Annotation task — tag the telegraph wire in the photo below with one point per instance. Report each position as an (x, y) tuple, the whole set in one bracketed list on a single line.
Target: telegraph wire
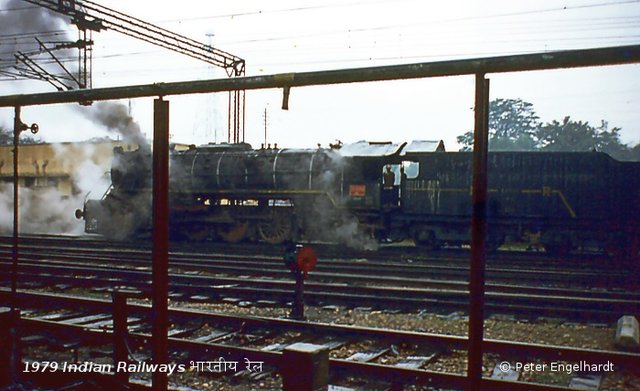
[(293, 9)]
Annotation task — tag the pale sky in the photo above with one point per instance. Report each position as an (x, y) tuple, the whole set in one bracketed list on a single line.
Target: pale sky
[(294, 36)]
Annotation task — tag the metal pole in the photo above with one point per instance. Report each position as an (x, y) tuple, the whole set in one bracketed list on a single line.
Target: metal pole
[(120, 330), (265, 127), (17, 128), (244, 108), (297, 310), (229, 119), (478, 233), (160, 233), (12, 326)]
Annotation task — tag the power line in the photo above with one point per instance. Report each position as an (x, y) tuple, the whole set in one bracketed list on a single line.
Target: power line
[(33, 33), (422, 23), (282, 10)]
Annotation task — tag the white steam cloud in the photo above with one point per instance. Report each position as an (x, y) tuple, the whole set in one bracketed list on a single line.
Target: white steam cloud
[(48, 210)]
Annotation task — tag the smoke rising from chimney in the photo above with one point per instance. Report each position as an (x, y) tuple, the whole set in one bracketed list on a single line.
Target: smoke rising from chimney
[(115, 117)]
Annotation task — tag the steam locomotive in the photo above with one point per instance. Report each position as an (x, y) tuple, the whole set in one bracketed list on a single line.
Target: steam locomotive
[(559, 201)]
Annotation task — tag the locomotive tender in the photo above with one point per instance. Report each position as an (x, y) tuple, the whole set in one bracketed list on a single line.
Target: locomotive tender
[(231, 192)]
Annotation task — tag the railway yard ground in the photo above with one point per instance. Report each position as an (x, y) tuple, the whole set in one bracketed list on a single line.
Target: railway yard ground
[(390, 320)]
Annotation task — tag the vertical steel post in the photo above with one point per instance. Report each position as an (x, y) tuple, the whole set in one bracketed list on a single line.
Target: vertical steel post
[(160, 235), (244, 117), (297, 308), (236, 123), (7, 348), (17, 128), (14, 316), (120, 331), (229, 120), (478, 233)]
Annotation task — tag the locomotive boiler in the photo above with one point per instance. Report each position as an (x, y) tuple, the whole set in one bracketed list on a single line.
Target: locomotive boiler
[(232, 192)]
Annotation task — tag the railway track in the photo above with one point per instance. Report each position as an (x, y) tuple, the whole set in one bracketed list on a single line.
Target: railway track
[(386, 252), (391, 357), (403, 262), (390, 285)]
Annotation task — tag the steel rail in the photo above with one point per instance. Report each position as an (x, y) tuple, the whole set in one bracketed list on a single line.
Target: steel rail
[(573, 307), (413, 273), (77, 273), (370, 277), (408, 255), (507, 348), (379, 372), (124, 274), (398, 275)]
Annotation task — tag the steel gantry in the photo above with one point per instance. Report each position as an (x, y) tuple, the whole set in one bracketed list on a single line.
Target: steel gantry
[(89, 16)]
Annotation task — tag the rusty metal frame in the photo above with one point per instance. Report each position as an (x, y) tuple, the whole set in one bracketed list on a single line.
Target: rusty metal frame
[(160, 236), (478, 232), (479, 67), (503, 348)]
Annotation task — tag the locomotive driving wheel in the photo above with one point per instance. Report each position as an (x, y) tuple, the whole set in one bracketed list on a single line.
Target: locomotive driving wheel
[(426, 238), (278, 228)]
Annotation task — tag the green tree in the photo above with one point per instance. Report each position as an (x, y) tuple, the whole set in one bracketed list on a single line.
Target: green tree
[(6, 137), (570, 135), (567, 135), (512, 127)]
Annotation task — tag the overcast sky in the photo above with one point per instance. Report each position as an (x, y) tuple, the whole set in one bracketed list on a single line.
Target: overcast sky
[(294, 36)]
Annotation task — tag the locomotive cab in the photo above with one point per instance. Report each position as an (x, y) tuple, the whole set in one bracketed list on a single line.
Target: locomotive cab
[(366, 185)]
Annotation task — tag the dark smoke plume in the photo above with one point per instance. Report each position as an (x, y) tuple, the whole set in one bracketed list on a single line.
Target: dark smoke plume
[(115, 117)]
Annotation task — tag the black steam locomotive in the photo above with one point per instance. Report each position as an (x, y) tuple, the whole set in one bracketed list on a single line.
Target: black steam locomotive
[(361, 193)]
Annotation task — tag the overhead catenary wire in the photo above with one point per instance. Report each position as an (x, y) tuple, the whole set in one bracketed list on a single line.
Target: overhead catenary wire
[(591, 29), (309, 53), (354, 30)]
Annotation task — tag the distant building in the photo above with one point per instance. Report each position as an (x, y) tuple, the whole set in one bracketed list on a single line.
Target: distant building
[(55, 165)]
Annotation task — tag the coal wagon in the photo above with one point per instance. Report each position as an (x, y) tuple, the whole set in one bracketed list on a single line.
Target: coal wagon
[(559, 200)]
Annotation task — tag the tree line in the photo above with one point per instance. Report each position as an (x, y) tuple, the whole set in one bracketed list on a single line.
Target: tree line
[(514, 126)]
